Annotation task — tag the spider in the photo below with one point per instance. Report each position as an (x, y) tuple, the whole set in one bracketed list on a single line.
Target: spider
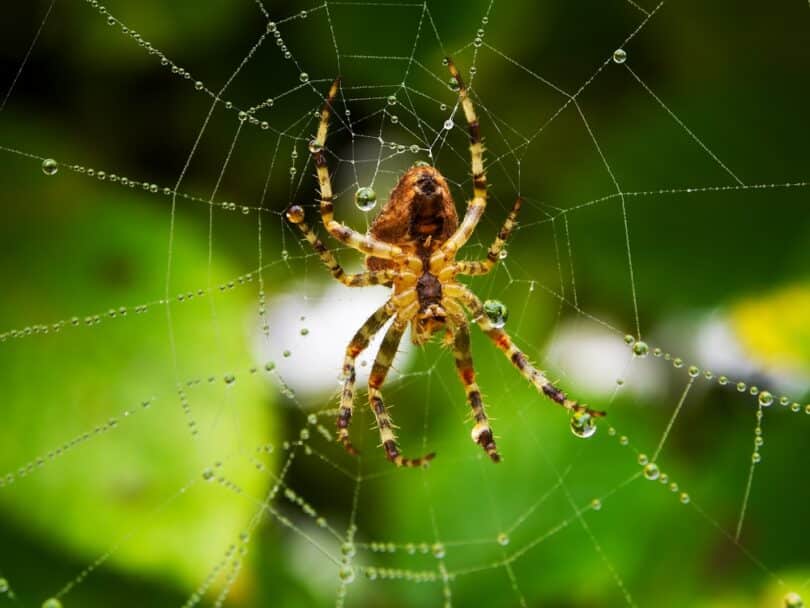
[(411, 247)]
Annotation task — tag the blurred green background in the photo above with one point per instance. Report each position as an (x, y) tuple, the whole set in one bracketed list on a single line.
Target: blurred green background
[(149, 439)]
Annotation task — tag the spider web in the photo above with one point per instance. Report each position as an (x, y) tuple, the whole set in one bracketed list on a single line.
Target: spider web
[(240, 336)]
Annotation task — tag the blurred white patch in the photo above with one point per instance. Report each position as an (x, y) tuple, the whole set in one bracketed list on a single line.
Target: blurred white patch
[(598, 361), (309, 334), (718, 348)]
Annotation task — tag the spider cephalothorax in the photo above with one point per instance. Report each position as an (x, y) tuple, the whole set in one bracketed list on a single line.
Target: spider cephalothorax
[(412, 246)]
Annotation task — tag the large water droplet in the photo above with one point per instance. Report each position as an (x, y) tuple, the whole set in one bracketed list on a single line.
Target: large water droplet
[(448, 124), (50, 166), (438, 550), (582, 424), (365, 198), (765, 399), (496, 312), (503, 539), (640, 349), (346, 574), (793, 600), (619, 56), (3, 585), (651, 471), (52, 602)]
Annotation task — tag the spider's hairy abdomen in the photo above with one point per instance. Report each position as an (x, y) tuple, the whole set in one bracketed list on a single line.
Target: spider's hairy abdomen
[(419, 216)]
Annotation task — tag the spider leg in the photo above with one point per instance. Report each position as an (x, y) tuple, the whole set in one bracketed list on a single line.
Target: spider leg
[(479, 267), (342, 233), (295, 214), (482, 432), (357, 345), (513, 353), (476, 207), (382, 364)]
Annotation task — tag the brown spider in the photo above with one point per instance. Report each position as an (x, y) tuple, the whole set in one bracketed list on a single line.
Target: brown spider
[(412, 246)]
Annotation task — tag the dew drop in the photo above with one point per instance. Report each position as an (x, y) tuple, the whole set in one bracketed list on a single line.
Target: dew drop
[(596, 504), (756, 458), (347, 549), (503, 254), (365, 198), (640, 349), (52, 603), (652, 472), (452, 84), (497, 312), (693, 371), (304, 331), (629, 339), (684, 498), (438, 550), (793, 600), (199, 85), (448, 124), (503, 539), (642, 459), (677, 362), (619, 56), (50, 166), (315, 146), (346, 574), (582, 424), (3, 585), (208, 474), (271, 26), (414, 149), (394, 119), (286, 353), (765, 399), (392, 100), (722, 380), (303, 77), (741, 387)]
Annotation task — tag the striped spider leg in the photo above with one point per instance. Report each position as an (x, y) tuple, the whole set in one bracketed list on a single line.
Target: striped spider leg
[(341, 232), (482, 432), (382, 363), (502, 340)]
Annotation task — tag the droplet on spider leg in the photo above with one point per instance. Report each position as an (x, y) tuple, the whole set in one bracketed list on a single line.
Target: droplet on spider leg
[(582, 424), (365, 198), (496, 312)]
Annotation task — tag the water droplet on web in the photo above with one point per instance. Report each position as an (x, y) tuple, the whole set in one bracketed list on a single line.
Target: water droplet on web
[(365, 198), (52, 603), (640, 349), (304, 77), (756, 458), (392, 100), (765, 399), (793, 600), (315, 147), (303, 14), (50, 166), (438, 550), (693, 371), (677, 362), (741, 387), (619, 56), (242, 116), (3, 585), (496, 312), (452, 84), (629, 339), (503, 539), (286, 353), (229, 378), (208, 474), (684, 498), (304, 331), (394, 119), (348, 549), (414, 149), (199, 85), (651, 471), (346, 574), (443, 107), (271, 26), (582, 424), (596, 504), (503, 254)]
